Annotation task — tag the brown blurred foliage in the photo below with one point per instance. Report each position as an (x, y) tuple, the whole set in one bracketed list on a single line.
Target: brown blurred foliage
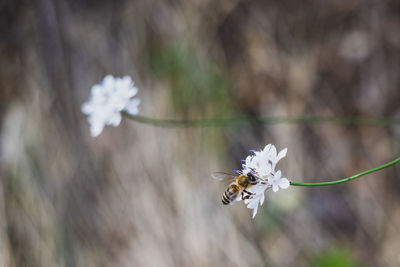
[(141, 196)]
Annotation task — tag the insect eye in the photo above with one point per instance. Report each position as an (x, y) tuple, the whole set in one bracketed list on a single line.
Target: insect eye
[(252, 178)]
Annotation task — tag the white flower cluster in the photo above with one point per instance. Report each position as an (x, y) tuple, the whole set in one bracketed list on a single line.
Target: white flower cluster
[(262, 165), (107, 100)]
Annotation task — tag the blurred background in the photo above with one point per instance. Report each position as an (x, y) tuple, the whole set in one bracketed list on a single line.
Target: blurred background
[(139, 195)]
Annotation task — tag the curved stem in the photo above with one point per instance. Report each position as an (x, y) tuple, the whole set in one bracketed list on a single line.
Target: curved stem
[(349, 178), (377, 121), (382, 121)]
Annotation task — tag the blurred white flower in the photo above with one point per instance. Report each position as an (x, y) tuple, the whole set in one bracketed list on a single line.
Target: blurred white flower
[(107, 100), (262, 165)]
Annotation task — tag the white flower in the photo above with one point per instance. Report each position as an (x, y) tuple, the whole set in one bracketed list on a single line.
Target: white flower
[(262, 165), (107, 100), (277, 182)]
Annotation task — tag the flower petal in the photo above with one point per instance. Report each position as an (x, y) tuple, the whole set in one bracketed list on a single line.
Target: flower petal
[(267, 148), (275, 188), (115, 119), (87, 108), (108, 82), (284, 183), (97, 90), (255, 212), (262, 199), (96, 129), (281, 154), (272, 151), (133, 106)]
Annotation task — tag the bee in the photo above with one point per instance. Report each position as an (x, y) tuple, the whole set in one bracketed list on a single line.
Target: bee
[(238, 187)]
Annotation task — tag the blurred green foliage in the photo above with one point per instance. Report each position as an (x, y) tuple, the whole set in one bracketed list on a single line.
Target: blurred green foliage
[(197, 85), (198, 88), (334, 257)]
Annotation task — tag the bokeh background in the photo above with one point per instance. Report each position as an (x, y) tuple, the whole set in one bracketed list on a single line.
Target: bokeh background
[(139, 195)]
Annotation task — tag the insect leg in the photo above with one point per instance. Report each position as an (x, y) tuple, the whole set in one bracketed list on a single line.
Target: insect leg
[(247, 197), (247, 192)]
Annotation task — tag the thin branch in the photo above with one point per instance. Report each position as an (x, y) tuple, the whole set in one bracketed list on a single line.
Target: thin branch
[(349, 178), (239, 121)]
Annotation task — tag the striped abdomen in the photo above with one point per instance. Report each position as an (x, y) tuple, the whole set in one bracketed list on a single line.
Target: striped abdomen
[(230, 194)]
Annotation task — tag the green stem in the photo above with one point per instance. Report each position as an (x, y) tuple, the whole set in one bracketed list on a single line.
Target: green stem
[(349, 178), (377, 121)]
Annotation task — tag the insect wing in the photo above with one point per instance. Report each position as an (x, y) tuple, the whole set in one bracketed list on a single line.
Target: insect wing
[(222, 176)]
